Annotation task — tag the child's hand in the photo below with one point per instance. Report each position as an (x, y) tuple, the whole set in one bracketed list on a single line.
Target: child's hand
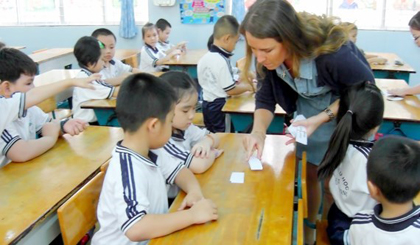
[(174, 53), (203, 211), (51, 130), (398, 91), (75, 126), (86, 82), (202, 148), (190, 199), (217, 152)]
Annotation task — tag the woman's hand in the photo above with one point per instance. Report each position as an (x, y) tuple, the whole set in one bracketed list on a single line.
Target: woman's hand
[(398, 92), (311, 124), (252, 142)]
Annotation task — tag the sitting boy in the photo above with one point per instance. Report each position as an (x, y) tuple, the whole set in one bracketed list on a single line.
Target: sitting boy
[(164, 29), (133, 203), (19, 141), (216, 76), (393, 172), (88, 52)]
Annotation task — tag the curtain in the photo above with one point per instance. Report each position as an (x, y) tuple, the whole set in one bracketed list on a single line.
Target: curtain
[(238, 9), (128, 28)]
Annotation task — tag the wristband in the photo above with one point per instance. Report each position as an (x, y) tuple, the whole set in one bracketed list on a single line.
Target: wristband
[(330, 114), (62, 124)]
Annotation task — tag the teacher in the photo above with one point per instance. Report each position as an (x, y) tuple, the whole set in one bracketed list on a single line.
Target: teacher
[(303, 63)]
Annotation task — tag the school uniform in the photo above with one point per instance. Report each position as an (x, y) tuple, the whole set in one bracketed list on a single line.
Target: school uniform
[(164, 46), (134, 186), (369, 228), (24, 128), (178, 149), (12, 108), (148, 58), (348, 186), (102, 90), (215, 77), (115, 69)]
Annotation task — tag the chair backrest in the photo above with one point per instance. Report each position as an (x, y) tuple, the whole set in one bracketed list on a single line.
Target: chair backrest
[(300, 222), (104, 167), (304, 185), (240, 64), (78, 214), (48, 105)]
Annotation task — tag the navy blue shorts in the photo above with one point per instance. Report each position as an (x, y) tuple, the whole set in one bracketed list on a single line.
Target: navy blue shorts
[(338, 223), (214, 118)]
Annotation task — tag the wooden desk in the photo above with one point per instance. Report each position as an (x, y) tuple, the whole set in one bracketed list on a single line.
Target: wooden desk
[(128, 56), (31, 192), (400, 117), (260, 211), (390, 70), (417, 199), (188, 61), (240, 111), (55, 58)]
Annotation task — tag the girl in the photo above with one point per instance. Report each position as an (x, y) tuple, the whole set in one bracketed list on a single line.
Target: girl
[(359, 115)]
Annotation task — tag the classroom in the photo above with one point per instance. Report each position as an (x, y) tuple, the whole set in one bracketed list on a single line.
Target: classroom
[(210, 122)]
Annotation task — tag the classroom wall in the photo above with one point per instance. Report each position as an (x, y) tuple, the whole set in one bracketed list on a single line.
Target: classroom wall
[(34, 38)]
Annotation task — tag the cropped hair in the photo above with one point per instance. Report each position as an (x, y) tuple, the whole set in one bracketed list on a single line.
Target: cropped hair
[(394, 167), (349, 26), (162, 24), (361, 109), (2, 45), (226, 25), (303, 35), (181, 82), (103, 32), (146, 27), (87, 51), (143, 96), (414, 22), (14, 63)]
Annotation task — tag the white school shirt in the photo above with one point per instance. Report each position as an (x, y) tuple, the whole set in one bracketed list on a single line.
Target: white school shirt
[(348, 184), (134, 186), (215, 74), (11, 109), (25, 128), (116, 68), (368, 228), (148, 58), (102, 90), (164, 46)]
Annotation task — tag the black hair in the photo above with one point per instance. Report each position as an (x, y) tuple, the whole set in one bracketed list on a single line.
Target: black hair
[(103, 32), (87, 51), (162, 24), (181, 82), (394, 167), (227, 24), (143, 96), (147, 27), (361, 109), (13, 63), (210, 42), (414, 22), (2, 45)]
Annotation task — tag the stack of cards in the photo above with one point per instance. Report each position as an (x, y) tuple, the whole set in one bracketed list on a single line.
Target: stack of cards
[(255, 163), (299, 132)]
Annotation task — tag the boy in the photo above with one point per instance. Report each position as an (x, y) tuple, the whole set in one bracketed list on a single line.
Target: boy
[(393, 172), (152, 58), (215, 73), (133, 204), (89, 56), (114, 70), (18, 140), (14, 107), (164, 30)]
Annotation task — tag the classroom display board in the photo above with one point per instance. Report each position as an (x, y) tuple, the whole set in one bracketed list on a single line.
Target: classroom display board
[(201, 11)]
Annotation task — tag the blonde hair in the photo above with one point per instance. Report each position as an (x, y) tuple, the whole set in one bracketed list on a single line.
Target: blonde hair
[(304, 35)]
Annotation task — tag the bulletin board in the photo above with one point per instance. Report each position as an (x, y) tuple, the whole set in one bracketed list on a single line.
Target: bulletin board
[(201, 11)]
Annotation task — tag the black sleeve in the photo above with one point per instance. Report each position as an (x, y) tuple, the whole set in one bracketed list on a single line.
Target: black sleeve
[(264, 98)]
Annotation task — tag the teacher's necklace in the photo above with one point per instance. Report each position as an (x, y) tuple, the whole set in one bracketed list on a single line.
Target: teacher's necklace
[(283, 75)]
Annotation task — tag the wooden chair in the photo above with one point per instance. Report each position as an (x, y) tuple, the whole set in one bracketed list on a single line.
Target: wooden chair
[(50, 106), (198, 119), (300, 223), (321, 233), (303, 184), (240, 63), (78, 214), (104, 167)]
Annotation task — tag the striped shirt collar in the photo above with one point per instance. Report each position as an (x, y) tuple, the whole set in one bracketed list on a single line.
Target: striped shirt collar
[(397, 223), (112, 62), (164, 43), (364, 143), (178, 135), (151, 162), (86, 71), (217, 49), (155, 50)]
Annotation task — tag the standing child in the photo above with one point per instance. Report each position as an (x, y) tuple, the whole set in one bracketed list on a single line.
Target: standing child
[(164, 30), (393, 172), (359, 116), (89, 56), (152, 58), (133, 206), (114, 70), (215, 74)]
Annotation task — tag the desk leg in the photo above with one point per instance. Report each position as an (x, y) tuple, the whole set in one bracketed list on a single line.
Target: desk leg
[(409, 129), (104, 117), (227, 123), (44, 233)]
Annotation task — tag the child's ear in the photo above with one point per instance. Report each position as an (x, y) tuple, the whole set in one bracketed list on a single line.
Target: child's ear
[(374, 191), (5, 88), (154, 125)]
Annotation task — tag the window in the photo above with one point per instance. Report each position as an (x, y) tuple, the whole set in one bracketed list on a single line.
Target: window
[(67, 12), (366, 14)]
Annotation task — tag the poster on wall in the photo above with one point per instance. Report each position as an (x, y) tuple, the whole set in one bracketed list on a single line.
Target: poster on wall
[(201, 11)]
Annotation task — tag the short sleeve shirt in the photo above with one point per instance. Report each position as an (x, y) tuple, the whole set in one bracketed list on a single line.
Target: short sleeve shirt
[(11, 109), (148, 58), (116, 68)]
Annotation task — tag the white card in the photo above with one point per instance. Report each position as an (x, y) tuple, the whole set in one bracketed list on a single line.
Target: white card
[(391, 97), (237, 177), (299, 132), (255, 163)]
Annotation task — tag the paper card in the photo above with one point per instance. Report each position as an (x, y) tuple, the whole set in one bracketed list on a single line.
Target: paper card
[(391, 97), (255, 163), (299, 132), (237, 177)]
